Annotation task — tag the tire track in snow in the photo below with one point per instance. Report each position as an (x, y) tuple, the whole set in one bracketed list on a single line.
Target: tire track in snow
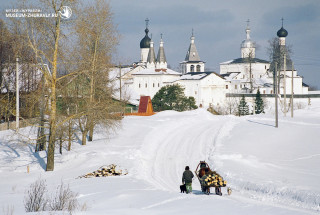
[(168, 148), (223, 133)]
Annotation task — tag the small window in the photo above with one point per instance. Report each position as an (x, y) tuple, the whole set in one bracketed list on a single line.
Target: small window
[(195, 92), (226, 86), (192, 68), (158, 84), (271, 92), (146, 85), (235, 86), (153, 84), (139, 85), (198, 68), (264, 92)]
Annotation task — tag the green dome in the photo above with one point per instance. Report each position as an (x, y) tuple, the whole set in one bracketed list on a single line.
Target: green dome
[(282, 32), (145, 42)]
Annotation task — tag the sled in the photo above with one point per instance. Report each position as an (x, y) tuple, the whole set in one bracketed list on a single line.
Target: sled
[(212, 179)]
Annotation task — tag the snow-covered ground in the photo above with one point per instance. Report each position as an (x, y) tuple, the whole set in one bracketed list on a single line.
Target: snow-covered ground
[(270, 170)]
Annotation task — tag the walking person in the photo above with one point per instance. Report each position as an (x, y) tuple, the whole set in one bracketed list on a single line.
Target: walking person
[(187, 179)]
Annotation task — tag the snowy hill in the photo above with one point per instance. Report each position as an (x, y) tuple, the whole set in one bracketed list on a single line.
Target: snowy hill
[(271, 170)]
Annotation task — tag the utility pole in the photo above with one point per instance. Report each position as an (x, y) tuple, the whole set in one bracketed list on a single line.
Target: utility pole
[(292, 91), (276, 94), (250, 71), (120, 81), (17, 94), (284, 83)]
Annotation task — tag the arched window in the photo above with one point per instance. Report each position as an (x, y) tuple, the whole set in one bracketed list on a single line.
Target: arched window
[(198, 68), (192, 68)]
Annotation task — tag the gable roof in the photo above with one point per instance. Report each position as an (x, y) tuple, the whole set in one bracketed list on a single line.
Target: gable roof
[(245, 60), (197, 75)]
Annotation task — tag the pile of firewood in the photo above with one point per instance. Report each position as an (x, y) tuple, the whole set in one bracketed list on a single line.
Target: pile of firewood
[(105, 171), (214, 179)]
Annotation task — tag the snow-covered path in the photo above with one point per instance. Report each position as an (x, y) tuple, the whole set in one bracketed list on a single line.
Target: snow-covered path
[(155, 151), (171, 146)]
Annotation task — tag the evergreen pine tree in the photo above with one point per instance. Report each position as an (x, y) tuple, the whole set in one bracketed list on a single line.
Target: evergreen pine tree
[(259, 103), (243, 107), (171, 97)]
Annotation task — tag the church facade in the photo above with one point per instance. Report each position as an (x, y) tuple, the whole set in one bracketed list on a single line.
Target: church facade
[(244, 75)]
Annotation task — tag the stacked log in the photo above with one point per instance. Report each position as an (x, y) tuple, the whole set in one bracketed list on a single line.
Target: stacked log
[(214, 179), (105, 171)]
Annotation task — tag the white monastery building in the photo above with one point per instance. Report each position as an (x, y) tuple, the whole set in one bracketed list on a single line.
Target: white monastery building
[(244, 75)]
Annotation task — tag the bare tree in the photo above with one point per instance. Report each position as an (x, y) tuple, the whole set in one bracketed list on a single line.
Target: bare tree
[(44, 37), (276, 56), (96, 40), (12, 45)]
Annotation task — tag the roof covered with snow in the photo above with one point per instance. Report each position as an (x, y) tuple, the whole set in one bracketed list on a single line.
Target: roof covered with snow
[(245, 60), (197, 75), (156, 72)]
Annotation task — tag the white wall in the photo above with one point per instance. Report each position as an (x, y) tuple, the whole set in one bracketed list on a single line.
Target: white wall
[(149, 85), (244, 68), (206, 91)]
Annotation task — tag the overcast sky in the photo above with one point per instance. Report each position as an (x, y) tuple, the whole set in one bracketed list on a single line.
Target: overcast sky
[(219, 29)]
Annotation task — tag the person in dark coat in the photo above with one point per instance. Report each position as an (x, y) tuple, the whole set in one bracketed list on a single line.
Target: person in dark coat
[(187, 179)]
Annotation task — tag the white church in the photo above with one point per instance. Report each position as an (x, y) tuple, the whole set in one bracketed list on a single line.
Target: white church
[(243, 75)]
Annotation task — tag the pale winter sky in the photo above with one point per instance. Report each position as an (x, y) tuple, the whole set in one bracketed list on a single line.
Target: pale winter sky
[(219, 29)]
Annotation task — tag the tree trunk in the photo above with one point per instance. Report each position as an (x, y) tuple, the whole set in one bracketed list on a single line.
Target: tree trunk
[(41, 140), (91, 132), (69, 135), (92, 83), (53, 124), (60, 146), (84, 137)]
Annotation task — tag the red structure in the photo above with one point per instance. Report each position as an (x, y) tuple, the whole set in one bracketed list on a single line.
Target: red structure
[(145, 105)]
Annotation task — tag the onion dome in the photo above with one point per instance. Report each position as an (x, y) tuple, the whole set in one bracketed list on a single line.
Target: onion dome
[(145, 42), (247, 43), (282, 32)]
